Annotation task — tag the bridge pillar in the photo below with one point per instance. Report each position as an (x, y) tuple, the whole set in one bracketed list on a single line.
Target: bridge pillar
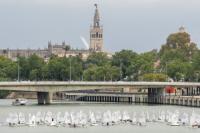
[(44, 98), (155, 95), (40, 97), (48, 98)]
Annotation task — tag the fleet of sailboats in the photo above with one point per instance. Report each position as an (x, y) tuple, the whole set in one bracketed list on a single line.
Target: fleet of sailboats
[(107, 118)]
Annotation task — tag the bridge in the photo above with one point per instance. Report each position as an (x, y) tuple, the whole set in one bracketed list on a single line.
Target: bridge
[(45, 89)]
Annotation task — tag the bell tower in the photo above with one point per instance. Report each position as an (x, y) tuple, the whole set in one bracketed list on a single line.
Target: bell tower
[(96, 33)]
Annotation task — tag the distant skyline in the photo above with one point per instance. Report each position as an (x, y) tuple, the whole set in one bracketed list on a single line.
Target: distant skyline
[(139, 25)]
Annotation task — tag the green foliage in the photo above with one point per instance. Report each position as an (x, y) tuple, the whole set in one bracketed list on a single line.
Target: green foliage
[(196, 61), (178, 70), (195, 71), (143, 63), (4, 93), (8, 69), (173, 54), (124, 60), (178, 45), (154, 77), (24, 68), (179, 39), (102, 73), (99, 59), (178, 59), (59, 68), (67, 47)]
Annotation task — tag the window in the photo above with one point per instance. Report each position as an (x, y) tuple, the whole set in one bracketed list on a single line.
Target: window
[(97, 35), (93, 35), (100, 35)]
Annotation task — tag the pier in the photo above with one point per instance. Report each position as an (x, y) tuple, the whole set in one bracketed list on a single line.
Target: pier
[(193, 101)]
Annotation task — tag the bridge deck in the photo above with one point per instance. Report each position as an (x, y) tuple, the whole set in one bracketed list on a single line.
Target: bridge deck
[(55, 86)]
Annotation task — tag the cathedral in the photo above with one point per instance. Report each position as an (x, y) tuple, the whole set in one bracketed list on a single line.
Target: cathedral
[(96, 45), (96, 33)]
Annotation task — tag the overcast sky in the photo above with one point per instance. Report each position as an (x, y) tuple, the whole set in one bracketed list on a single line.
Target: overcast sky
[(140, 25)]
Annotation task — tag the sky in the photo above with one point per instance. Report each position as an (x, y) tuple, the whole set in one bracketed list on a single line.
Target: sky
[(139, 25)]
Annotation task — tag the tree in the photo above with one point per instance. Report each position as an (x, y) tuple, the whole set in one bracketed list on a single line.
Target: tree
[(97, 58), (76, 68), (195, 71), (178, 70), (178, 40), (143, 63), (154, 77), (59, 68), (45, 72), (35, 62), (196, 61), (8, 72), (24, 68), (90, 73), (123, 60), (101, 73), (180, 45), (35, 67), (8, 69), (34, 75), (67, 48)]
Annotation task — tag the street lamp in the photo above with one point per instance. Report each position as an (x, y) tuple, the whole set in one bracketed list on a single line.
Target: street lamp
[(166, 71), (197, 76), (70, 69), (120, 69), (18, 70), (18, 67)]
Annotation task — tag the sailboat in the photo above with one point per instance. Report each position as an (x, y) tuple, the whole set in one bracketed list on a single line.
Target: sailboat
[(67, 120), (31, 120), (106, 120), (92, 119), (116, 117), (12, 120), (82, 119), (39, 118), (48, 118), (134, 120), (74, 120), (174, 120), (184, 119), (21, 119), (193, 122), (98, 117), (142, 120), (59, 119), (126, 117), (161, 116)]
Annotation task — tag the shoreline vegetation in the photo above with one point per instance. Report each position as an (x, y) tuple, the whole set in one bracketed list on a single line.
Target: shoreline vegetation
[(177, 60)]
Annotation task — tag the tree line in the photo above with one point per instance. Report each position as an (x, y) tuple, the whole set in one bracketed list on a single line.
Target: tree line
[(177, 60)]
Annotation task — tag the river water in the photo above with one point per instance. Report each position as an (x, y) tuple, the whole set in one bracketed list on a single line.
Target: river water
[(32, 107)]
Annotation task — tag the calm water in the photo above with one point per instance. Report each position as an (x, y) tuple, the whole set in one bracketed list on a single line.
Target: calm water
[(5, 108)]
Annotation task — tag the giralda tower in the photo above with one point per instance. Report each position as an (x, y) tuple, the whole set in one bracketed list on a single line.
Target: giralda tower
[(96, 33)]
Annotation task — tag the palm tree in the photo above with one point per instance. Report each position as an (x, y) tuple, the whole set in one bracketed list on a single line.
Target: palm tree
[(67, 48)]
